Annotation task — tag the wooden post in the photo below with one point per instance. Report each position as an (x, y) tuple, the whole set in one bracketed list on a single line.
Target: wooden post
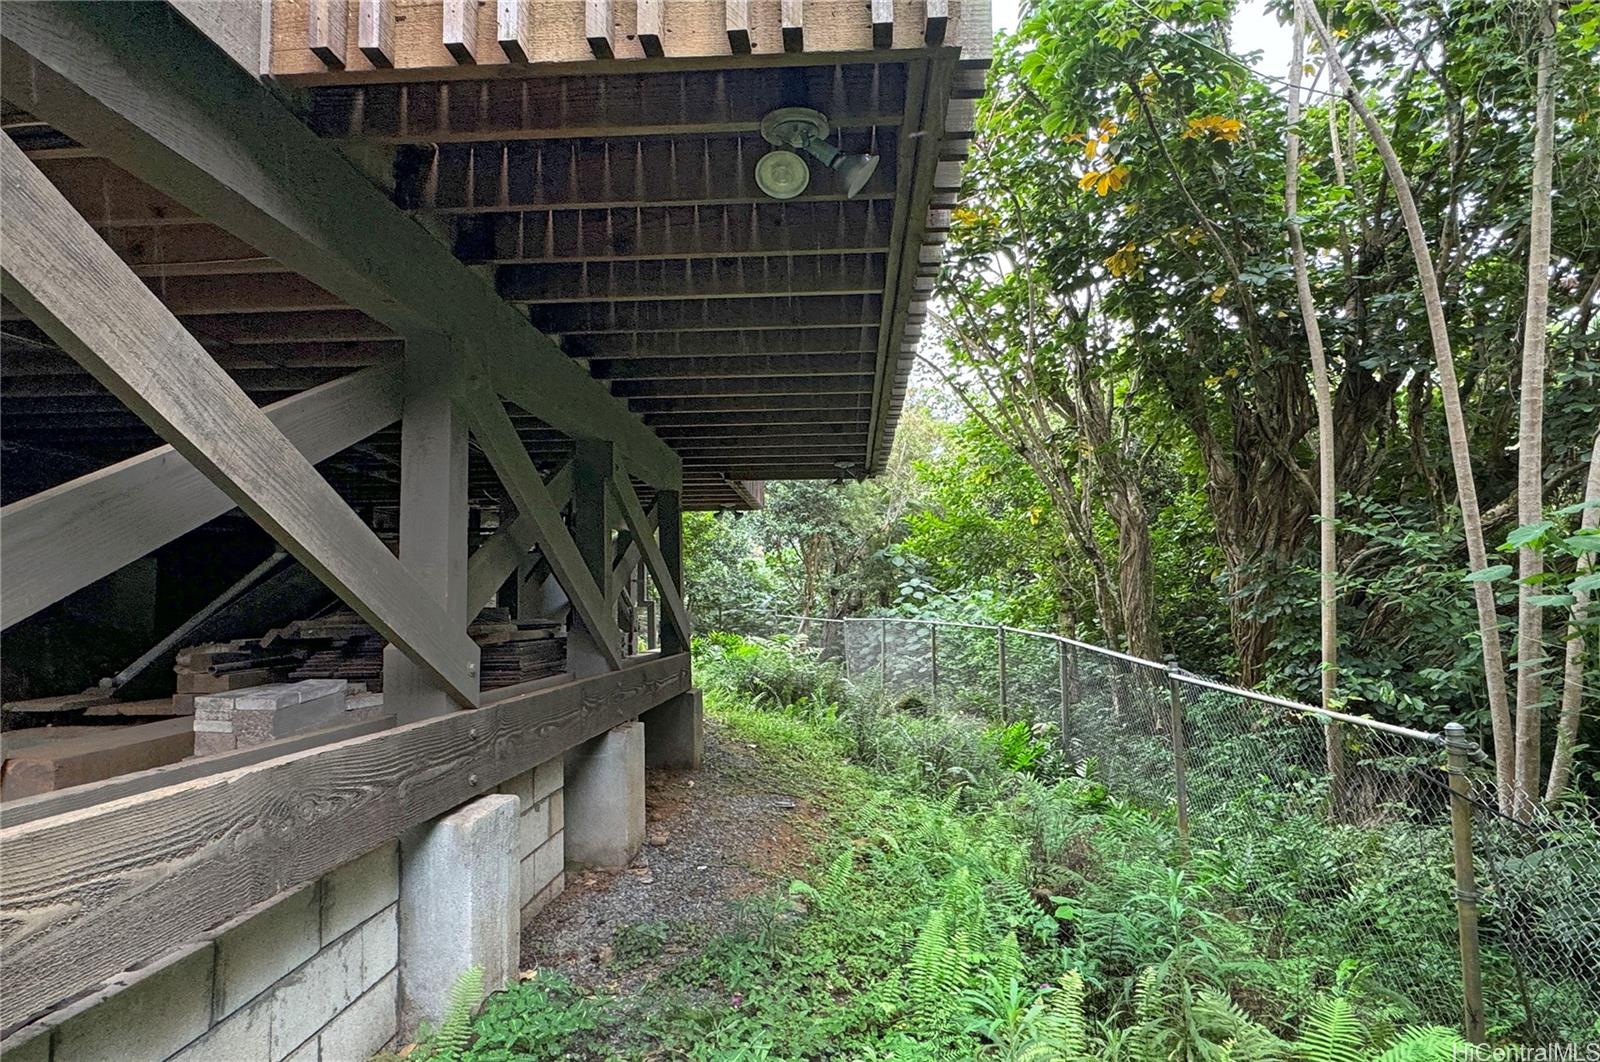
[(1000, 657), (1180, 761), (1459, 748), (433, 517), (669, 518), (592, 469)]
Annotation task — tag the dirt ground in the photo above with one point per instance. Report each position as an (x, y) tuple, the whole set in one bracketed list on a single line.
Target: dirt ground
[(713, 837)]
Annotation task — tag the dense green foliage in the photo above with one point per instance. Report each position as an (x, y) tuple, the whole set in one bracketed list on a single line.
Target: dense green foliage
[(1115, 434), (975, 899)]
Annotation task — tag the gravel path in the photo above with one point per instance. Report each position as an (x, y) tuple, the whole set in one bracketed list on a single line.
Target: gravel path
[(712, 838)]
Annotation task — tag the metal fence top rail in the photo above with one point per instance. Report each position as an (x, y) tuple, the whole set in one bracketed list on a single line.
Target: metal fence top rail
[(1173, 672)]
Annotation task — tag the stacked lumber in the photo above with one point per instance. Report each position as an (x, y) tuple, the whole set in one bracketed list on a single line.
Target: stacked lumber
[(221, 667), (342, 645)]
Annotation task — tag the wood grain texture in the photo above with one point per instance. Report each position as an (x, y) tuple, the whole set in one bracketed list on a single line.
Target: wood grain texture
[(512, 29), (793, 17), (238, 27), (650, 22), (493, 562), (644, 538), (738, 23), (882, 23), (375, 35), (91, 893), (62, 539), (460, 33), (326, 30), (32, 809), (76, 289), (497, 438), (597, 27), (220, 142), (669, 522)]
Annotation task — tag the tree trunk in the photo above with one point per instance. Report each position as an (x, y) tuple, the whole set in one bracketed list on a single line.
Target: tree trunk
[(1572, 673), (1494, 674), (1328, 547), (1530, 433)]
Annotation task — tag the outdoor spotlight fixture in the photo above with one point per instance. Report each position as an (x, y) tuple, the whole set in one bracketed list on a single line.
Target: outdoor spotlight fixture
[(783, 173)]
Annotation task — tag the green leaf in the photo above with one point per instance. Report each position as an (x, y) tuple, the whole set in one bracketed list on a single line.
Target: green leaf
[(1552, 600), (1489, 574), (1587, 582), (1525, 535)]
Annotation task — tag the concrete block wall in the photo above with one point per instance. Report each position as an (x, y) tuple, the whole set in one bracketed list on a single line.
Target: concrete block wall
[(312, 978), (541, 846)]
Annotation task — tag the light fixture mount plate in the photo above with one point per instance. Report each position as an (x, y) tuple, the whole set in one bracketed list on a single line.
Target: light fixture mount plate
[(791, 127)]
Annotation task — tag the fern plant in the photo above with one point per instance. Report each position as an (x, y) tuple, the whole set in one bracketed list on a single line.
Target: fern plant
[(455, 1028)]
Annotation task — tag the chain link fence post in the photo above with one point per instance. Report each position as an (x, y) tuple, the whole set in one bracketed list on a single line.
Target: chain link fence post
[(933, 659), (1180, 759), (1459, 750), (883, 656), (1064, 676), (1000, 659)]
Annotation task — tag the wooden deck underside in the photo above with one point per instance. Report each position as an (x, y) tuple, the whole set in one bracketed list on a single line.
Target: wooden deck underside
[(612, 201)]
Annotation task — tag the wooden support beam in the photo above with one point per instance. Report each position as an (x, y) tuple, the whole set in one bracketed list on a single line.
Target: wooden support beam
[(62, 539), (433, 518), (597, 27), (713, 315), (80, 293), (759, 342), (882, 23), (779, 365), (563, 107), (592, 173), (375, 33), (667, 576), (643, 233), (737, 18), (792, 14), (669, 523), (937, 21), (220, 142), (460, 27), (497, 438), (660, 280), (120, 884), (593, 470), (650, 25), (494, 561), (851, 384), (513, 30), (325, 30)]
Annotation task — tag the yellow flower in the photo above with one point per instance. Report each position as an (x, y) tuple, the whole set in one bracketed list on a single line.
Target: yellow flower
[(964, 215), (1104, 182), (1125, 263), (1215, 126), (1218, 292)]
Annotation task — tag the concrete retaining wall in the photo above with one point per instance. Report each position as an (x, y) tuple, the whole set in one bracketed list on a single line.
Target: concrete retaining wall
[(542, 844), (312, 978)]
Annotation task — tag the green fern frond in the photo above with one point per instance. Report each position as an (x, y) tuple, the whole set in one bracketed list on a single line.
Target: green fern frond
[(1429, 1044), (455, 1028), (1331, 1033)]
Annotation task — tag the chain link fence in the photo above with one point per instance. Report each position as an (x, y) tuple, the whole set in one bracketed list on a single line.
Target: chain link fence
[(1333, 834)]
